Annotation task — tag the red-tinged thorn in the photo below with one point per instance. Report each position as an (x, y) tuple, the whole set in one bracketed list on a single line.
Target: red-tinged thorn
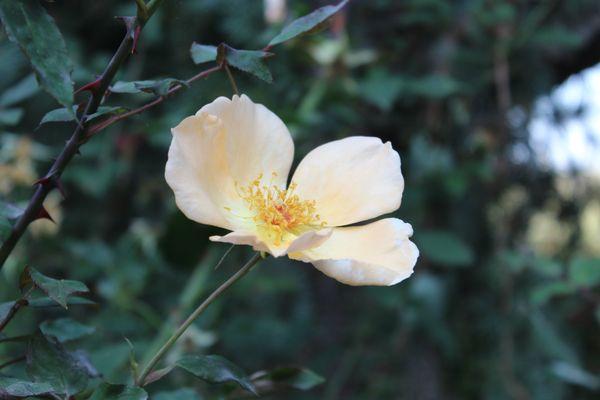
[(80, 108), (42, 181), (128, 21), (43, 214), (136, 36), (60, 187), (92, 86)]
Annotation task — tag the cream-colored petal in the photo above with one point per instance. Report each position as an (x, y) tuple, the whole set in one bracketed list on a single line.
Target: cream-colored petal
[(227, 143), (307, 240), (242, 238), (197, 170), (257, 142), (351, 180), (379, 254)]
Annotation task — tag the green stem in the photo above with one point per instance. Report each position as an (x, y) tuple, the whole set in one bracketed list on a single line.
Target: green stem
[(231, 79), (177, 334), (152, 5)]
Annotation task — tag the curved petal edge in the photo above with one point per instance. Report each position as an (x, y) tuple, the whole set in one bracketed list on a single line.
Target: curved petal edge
[(378, 254)]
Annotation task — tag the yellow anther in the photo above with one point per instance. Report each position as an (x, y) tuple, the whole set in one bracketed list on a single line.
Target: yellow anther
[(279, 213)]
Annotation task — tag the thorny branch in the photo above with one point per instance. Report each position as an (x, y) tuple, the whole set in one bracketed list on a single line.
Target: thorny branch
[(82, 132)]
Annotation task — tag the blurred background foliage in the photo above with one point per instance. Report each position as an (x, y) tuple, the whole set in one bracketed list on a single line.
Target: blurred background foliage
[(504, 302)]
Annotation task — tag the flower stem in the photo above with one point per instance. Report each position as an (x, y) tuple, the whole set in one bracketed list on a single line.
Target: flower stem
[(231, 79), (177, 334)]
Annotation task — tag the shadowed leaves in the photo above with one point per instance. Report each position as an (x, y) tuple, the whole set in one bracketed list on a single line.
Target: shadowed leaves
[(27, 24), (306, 23)]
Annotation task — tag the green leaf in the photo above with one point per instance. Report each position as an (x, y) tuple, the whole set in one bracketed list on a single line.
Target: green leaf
[(434, 86), (286, 377), (444, 248), (10, 116), (547, 337), (23, 90), (5, 309), (107, 391), (556, 37), (59, 115), (16, 388), (585, 272), (48, 362), (9, 210), (5, 228), (158, 87), (27, 24), (8, 213), (179, 394), (57, 289), (251, 61), (575, 375), (65, 115), (547, 267), (381, 88), (306, 23), (65, 329), (539, 295), (127, 87), (156, 375), (216, 369), (202, 53), (43, 302)]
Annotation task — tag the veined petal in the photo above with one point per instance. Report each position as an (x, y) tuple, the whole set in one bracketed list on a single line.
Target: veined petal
[(307, 240), (379, 254), (197, 170), (226, 145), (257, 141), (351, 180)]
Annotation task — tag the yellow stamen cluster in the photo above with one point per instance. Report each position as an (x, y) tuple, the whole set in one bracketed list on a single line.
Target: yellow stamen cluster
[(279, 212)]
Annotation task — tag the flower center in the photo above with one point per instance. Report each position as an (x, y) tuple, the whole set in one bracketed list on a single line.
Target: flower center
[(279, 212)]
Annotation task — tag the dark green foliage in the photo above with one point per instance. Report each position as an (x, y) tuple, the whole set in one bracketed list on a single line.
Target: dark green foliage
[(202, 53), (216, 369), (118, 392), (286, 377), (49, 362), (5, 309), (158, 88), (57, 289), (250, 61), (306, 23), (65, 115), (27, 24), (444, 248), (180, 394), (65, 329), (486, 314), (16, 388)]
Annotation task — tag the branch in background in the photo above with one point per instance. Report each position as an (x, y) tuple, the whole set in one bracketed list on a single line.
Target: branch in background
[(52, 179), (22, 302), (13, 361), (11, 313)]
